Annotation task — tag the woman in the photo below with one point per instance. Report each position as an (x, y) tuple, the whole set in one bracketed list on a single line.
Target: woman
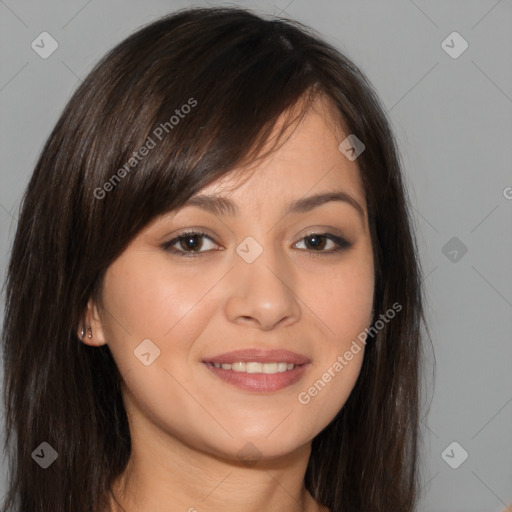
[(213, 298)]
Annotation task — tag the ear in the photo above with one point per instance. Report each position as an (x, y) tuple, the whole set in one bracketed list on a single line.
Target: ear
[(94, 334)]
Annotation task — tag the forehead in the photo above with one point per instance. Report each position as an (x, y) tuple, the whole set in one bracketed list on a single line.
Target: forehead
[(308, 159)]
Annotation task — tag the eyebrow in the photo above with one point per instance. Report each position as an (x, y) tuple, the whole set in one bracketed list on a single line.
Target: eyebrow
[(219, 205)]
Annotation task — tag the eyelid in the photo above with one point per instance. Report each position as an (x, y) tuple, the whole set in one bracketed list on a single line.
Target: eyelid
[(341, 243), (183, 234)]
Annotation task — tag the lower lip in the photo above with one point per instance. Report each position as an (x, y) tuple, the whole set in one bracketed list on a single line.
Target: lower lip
[(259, 382)]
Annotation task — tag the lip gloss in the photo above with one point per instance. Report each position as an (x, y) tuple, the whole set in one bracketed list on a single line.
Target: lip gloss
[(259, 382)]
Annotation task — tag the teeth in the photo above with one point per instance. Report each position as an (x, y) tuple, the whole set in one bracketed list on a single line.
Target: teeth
[(255, 367), (281, 367), (238, 367), (269, 367)]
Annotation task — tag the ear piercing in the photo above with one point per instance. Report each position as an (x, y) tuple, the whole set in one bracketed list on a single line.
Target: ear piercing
[(82, 332)]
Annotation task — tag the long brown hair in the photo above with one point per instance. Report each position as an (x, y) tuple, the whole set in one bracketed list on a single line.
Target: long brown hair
[(91, 193)]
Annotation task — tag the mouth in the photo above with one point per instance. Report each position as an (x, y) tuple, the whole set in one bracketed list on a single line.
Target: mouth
[(256, 367), (258, 370)]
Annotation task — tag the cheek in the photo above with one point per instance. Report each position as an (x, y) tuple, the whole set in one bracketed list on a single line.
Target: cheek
[(322, 397), (343, 299), (148, 300), (170, 308), (153, 300)]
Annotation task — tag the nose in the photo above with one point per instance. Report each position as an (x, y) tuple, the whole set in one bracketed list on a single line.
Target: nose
[(261, 293)]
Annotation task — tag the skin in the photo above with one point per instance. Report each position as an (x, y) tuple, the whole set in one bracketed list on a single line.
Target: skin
[(186, 424)]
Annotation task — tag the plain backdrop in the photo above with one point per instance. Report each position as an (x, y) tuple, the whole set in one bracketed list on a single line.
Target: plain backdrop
[(451, 110)]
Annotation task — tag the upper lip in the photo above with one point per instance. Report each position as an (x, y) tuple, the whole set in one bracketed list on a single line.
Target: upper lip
[(259, 356)]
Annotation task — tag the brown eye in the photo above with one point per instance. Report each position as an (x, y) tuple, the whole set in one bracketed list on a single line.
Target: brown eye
[(188, 244), (317, 242)]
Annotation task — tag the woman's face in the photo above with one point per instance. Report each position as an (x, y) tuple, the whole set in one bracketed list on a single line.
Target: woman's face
[(257, 281)]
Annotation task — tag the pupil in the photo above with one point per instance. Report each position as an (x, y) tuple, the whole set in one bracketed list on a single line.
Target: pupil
[(194, 240), (318, 242)]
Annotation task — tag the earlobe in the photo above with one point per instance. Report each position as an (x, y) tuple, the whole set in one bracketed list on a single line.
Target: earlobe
[(90, 331)]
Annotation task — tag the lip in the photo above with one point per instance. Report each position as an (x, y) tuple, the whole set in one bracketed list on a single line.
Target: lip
[(259, 356), (259, 382)]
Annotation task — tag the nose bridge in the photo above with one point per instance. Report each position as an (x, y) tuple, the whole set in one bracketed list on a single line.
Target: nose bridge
[(261, 265), (261, 287)]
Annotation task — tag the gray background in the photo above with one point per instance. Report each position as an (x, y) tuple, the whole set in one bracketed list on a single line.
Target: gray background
[(452, 118)]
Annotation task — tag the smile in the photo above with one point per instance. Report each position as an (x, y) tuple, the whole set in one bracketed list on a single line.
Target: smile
[(256, 367), (258, 377)]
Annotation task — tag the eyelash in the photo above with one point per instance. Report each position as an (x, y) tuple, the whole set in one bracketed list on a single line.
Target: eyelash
[(341, 243)]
